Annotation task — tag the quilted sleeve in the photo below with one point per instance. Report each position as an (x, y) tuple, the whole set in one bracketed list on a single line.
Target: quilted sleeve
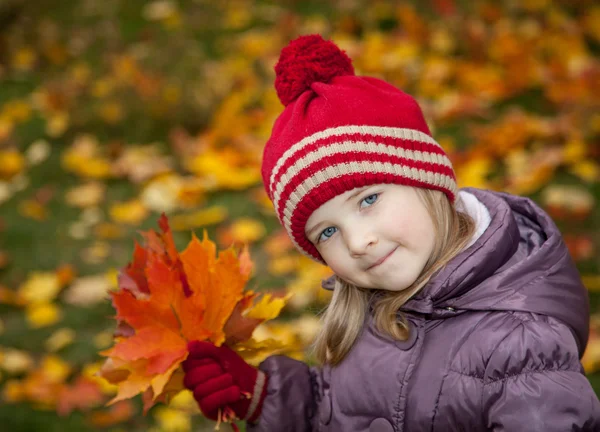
[(534, 382), (293, 393)]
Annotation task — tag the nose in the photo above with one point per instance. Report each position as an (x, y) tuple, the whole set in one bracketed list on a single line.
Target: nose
[(359, 240)]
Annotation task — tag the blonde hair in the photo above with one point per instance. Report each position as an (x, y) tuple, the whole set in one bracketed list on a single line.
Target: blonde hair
[(344, 318)]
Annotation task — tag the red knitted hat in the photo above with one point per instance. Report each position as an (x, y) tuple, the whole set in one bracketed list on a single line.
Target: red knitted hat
[(339, 132)]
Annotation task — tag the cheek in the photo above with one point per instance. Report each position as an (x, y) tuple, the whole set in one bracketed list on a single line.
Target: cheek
[(416, 233), (335, 261)]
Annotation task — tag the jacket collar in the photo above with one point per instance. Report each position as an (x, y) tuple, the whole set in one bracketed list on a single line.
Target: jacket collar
[(477, 262)]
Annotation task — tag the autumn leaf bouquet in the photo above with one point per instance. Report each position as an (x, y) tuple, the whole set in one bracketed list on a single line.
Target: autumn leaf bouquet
[(166, 299)]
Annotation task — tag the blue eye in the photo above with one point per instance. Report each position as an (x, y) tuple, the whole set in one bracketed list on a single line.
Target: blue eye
[(370, 200), (327, 232)]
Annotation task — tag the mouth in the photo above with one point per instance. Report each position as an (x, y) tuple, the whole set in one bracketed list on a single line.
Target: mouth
[(382, 260)]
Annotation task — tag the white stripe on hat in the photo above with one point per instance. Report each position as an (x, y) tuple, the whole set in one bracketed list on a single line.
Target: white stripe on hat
[(392, 132), (353, 146)]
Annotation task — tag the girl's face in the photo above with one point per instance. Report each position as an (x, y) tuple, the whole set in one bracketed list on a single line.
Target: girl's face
[(377, 236)]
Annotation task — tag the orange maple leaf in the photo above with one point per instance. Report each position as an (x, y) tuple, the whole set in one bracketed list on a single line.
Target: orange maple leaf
[(166, 299)]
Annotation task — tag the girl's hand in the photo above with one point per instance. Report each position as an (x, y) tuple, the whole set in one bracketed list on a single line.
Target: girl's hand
[(222, 382)]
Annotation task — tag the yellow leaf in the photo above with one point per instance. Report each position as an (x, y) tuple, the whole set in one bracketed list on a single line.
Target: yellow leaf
[(60, 339), (106, 230), (184, 400), (24, 59), (11, 164), (256, 350), (171, 94), (84, 158), (191, 193), (306, 287), (103, 87), (474, 172), (307, 327), (227, 168), (137, 382), (17, 110), (15, 361), (162, 193), (80, 73), (57, 124), (13, 391), (103, 340), (125, 69), (92, 371), (86, 195), (42, 314), (247, 230), (87, 167), (96, 253), (591, 356), (209, 216), (172, 420), (281, 265), (442, 40), (159, 381), (55, 369), (111, 112), (237, 16), (173, 21), (591, 282), (131, 212), (6, 127), (278, 244), (40, 287), (586, 170), (268, 307), (574, 151), (33, 210)]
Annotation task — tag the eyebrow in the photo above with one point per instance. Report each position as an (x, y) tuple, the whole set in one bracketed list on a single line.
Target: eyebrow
[(358, 191)]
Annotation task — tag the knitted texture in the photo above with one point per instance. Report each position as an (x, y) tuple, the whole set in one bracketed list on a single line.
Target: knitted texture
[(339, 132), (306, 60), (221, 380)]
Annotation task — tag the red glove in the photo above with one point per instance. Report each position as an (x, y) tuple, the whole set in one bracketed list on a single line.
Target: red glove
[(222, 381)]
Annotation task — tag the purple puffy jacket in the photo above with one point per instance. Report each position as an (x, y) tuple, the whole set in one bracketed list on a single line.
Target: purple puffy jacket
[(496, 341)]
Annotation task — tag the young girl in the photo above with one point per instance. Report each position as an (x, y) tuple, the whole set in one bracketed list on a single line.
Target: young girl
[(451, 310)]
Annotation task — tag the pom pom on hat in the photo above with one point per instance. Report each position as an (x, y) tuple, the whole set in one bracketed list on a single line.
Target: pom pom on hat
[(306, 60)]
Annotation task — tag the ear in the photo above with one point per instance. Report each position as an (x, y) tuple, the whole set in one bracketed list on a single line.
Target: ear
[(328, 283)]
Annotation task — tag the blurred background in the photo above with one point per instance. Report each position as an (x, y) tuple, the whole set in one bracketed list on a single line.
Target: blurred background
[(114, 111)]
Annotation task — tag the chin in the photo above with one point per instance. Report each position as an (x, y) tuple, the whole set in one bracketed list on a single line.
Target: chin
[(395, 285)]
